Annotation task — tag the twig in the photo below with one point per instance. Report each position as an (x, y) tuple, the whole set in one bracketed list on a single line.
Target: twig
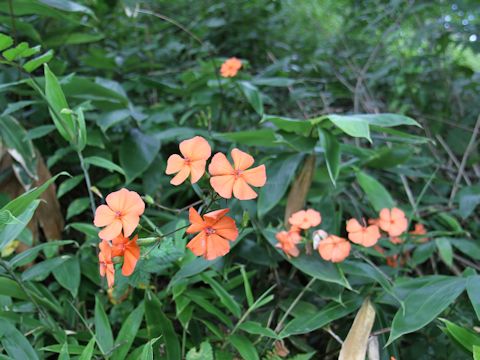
[(335, 336), (452, 157), (87, 182), (469, 149)]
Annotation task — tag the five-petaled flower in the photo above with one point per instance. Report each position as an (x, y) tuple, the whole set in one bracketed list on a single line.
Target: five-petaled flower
[(123, 211), (105, 262), (230, 67), (363, 235), (334, 248), (287, 241), (305, 219), (393, 221), (226, 178), (215, 230), (196, 152), (123, 246)]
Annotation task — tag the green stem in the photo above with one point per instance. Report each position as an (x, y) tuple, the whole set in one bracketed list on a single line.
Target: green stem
[(87, 182)]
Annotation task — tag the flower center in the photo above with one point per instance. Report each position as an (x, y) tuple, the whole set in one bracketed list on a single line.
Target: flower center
[(118, 214), (187, 161), (237, 173), (209, 230)]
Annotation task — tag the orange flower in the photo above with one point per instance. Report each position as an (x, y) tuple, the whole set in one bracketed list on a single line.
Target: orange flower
[(227, 179), (123, 246), (287, 241), (420, 230), (305, 219), (334, 248), (196, 152), (393, 221), (363, 235), (214, 231), (105, 261), (122, 211), (230, 67), (392, 261)]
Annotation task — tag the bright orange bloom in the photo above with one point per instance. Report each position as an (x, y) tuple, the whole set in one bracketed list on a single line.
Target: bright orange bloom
[(105, 262), (393, 221), (122, 211), (230, 67), (214, 231), (363, 235), (334, 248), (287, 241), (420, 230), (123, 246), (237, 179), (305, 219), (196, 152)]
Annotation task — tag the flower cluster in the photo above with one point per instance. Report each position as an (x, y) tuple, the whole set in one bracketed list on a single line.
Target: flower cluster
[(119, 219), (230, 67), (225, 179), (335, 248)]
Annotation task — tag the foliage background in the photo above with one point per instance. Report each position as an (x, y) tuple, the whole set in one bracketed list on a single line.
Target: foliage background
[(146, 75)]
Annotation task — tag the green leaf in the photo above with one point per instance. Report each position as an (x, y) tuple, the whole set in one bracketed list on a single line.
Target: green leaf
[(468, 198), (253, 96), (87, 353), (387, 120), (77, 206), (260, 137), (445, 250), (244, 347), (352, 125), (376, 193), (312, 265), (10, 288), (256, 328), (15, 343), (280, 173), (64, 355), (57, 102), (127, 333), (103, 331), (14, 138), (21, 203), (35, 63), (246, 285), (468, 339), (39, 131), (16, 52), (69, 6), (68, 275), (12, 230), (5, 41), (473, 291), (137, 152), (331, 148), (274, 81), (476, 352), (104, 163), (44, 268), (424, 304), (204, 353), (147, 352), (302, 127), (307, 323), (225, 298), (68, 185), (158, 324)]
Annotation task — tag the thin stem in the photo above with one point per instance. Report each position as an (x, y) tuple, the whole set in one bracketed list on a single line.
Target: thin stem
[(87, 182), (292, 305)]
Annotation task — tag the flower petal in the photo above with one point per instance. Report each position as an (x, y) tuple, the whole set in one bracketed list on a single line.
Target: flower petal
[(396, 213), (226, 228), (130, 258), (196, 148), (223, 185), (353, 226), (110, 275), (256, 176), (372, 235), (196, 222), (103, 216), (181, 176), (129, 223), (175, 163), (116, 199), (197, 169), (198, 245), (242, 191), (111, 231), (216, 246), (213, 216), (241, 160), (220, 165), (133, 204)]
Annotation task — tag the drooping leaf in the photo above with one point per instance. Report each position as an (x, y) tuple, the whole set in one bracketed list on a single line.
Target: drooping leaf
[(244, 347), (15, 343), (68, 275), (331, 148), (127, 333), (376, 193), (103, 330)]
